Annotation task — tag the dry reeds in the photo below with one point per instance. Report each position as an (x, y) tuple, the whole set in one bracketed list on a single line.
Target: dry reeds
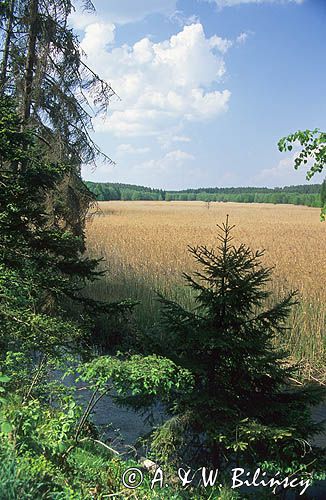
[(145, 248)]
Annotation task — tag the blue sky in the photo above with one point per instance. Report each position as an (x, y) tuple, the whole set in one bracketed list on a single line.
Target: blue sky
[(207, 88)]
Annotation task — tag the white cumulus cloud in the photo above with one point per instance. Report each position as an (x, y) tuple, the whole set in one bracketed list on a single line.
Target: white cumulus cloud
[(160, 84), (97, 37)]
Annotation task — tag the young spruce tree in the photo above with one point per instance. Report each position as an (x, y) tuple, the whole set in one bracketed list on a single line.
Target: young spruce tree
[(243, 407)]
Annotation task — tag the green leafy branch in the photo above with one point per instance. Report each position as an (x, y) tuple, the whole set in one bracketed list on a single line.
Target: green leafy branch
[(313, 143)]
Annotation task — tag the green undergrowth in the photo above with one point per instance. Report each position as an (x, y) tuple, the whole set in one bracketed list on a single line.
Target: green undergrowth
[(89, 473)]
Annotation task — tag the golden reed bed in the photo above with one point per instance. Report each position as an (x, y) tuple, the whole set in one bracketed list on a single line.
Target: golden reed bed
[(146, 242), (152, 237)]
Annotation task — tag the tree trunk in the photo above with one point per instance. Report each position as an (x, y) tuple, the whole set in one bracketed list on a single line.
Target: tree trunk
[(30, 60), (6, 48)]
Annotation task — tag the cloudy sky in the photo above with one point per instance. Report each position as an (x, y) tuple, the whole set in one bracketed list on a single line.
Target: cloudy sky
[(207, 88)]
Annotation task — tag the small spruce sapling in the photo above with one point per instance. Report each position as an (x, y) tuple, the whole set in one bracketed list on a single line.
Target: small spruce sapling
[(243, 407)]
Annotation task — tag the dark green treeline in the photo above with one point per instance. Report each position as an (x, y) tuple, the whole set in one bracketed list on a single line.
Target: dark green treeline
[(308, 195)]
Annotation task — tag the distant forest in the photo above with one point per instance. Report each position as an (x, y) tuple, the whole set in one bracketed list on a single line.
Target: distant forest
[(308, 195)]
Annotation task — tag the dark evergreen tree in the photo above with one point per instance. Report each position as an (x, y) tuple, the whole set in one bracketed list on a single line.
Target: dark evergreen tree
[(56, 93), (41, 263), (243, 407)]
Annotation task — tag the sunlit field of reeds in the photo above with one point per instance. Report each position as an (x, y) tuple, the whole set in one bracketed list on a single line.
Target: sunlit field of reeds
[(144, 245)]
